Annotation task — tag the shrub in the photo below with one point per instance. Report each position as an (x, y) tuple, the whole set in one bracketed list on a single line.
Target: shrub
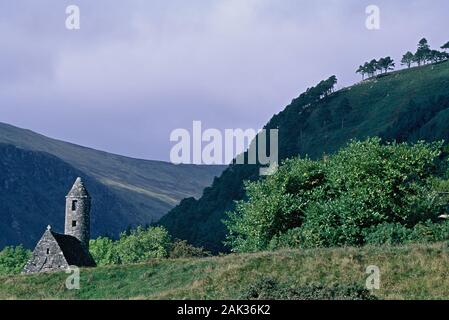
[(396, 233), (292, 238), (104, 251), (336, 201), (182, 249), (387, 233), (429, 231), (13, 259), (268, 288), (134, 246), (143, 244)]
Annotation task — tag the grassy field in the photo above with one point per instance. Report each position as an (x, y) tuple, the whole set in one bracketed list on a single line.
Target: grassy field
[(407, 272)]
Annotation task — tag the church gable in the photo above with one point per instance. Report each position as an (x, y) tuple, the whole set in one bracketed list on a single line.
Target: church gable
[(47, 256)]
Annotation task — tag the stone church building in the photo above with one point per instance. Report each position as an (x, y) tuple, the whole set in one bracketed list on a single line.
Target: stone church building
[(56, 251)]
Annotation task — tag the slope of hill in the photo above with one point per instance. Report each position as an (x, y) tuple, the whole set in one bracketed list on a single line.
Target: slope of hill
[(409, 272), (32, 191), (405, 105), (138, 191)]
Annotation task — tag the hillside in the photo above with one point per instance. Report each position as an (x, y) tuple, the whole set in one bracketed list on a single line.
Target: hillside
[(406, 105), (409, 272), (33, 189), (126, 191)]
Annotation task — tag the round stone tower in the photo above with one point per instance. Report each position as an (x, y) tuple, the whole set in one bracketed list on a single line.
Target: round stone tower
[(77, 213)]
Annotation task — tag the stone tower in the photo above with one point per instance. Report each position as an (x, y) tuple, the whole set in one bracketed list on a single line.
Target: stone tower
[(77, 213)]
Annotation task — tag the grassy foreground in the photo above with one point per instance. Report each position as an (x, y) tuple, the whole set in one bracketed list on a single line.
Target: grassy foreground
[(407, 272)]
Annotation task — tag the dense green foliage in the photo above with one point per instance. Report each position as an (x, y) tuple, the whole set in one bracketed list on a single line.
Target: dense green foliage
[(344, 199), (376, 109), (13, 259), (268, 288), (140, 245), (182, 249)]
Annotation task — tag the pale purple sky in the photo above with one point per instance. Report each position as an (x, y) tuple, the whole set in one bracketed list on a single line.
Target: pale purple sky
[(138, 69)]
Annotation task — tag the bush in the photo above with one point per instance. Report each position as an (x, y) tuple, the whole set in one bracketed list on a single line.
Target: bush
[(13, 259), (337, 200), (387, 233), (104, 251), (292, 239), (139, 245), (182, 249), (396, 233), (268, 288), (143, 244), (428, 231)]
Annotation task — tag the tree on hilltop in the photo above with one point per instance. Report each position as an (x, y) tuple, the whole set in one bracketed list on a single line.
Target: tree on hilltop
[(362, 71), (407, 59), (372, 67), (445, 46), (385, 64), (423, 52)]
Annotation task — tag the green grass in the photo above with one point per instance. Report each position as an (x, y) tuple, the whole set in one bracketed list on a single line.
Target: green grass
[(407, 272)]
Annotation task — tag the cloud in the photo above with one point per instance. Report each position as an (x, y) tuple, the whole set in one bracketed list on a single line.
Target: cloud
[(137, 70)]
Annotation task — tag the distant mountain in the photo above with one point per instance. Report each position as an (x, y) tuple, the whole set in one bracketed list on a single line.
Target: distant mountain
[(406, 105), (36, 172)]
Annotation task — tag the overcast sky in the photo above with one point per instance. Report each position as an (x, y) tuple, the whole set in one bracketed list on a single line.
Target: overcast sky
[(138, 69)]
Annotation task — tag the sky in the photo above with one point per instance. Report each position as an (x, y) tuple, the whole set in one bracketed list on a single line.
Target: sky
[(136, 70)]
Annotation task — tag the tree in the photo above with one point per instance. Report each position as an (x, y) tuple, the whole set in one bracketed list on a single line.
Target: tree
[(423, 52), (182, 249), (336, 201), (13, 259), (380, 64), (343, 109), (407, 59), (443, 56), (373, 67), (104, 251), (331, 83), (445, 46), (385, 64), (144, 244), (362, 71)]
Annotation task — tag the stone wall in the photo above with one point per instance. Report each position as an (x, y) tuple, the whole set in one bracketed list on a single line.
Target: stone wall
[(81, 216), (47, 256)]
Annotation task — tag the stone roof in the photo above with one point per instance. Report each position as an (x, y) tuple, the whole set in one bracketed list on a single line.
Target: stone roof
[(74, 253), (78, 190)]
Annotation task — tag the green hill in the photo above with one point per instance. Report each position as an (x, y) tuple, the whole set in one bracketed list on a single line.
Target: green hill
[(409, 272), (32, 192), (405, 105), (36, 172)]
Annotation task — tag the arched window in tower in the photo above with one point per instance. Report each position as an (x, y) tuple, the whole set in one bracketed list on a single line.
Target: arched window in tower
[(74, 205)]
